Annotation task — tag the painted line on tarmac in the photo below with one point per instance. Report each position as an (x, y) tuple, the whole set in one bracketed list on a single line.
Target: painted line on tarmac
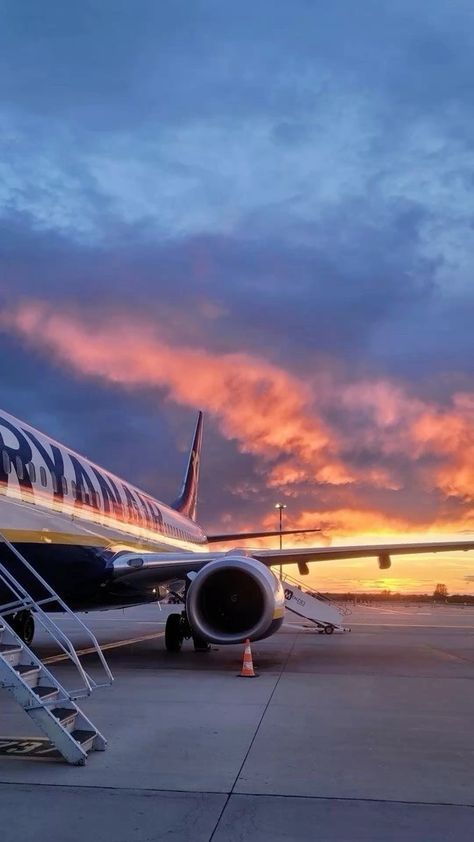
[(114, 621), (383, 610), (54, 659), (448, 655), (375, 625)]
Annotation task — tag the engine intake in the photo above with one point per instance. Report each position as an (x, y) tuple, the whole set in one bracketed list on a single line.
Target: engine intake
[(234, 598)]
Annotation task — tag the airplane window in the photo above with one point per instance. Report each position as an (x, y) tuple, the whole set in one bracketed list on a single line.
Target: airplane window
[(55, 483), (32, 472), (43, 477), (95, 499), (19, 468), (73, 488), (87, 498), (64, 484), (7, 464)]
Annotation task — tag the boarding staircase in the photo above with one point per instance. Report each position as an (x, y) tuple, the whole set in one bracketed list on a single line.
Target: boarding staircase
[(46, 701), (324, 614)]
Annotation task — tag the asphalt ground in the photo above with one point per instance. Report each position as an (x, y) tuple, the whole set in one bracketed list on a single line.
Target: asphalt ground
[(360, 736)]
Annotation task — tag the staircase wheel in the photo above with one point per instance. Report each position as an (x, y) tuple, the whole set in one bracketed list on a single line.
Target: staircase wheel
[(329, 630), (173, 633)]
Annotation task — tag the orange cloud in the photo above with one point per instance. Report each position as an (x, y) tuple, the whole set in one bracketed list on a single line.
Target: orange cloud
[(273, 413), (401, 424), (353, 521), (260, 405), (450, 434)]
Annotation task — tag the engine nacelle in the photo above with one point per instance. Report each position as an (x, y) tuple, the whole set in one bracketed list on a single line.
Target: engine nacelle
[(234, 598)]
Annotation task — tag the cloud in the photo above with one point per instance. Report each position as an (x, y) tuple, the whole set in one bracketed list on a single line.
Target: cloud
[(260, 405), (269, 411)]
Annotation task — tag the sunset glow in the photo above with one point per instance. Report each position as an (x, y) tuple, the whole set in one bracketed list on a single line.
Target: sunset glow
[(284, 422), (269, 219)]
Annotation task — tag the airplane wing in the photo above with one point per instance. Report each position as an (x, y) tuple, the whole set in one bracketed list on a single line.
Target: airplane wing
[(162, 567), (241, 536), (383, 552)]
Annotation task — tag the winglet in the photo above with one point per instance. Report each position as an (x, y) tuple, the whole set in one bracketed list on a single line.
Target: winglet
[(186, 503)]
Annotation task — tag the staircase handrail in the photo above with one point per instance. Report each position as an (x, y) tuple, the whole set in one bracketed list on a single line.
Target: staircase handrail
[(25, 600), (344, 609)]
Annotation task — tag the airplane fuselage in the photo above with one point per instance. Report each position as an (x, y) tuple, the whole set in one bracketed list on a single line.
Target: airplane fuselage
[(69, 516)]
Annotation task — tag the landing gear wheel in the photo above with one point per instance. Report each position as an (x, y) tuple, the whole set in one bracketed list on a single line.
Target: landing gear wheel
[(173, 633), (201, 645), (23, 625), (329, 630), (28, 628)]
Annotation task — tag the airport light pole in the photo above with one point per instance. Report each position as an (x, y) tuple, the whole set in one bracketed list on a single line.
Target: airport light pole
[(280, 507)]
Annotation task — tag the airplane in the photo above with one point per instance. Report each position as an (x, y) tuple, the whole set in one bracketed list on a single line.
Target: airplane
[(101, 543)]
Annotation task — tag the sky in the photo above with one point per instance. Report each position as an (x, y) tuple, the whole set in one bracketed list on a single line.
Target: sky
[(265, 211)]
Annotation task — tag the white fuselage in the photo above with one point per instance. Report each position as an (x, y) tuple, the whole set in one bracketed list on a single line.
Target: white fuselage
[(50, 494)]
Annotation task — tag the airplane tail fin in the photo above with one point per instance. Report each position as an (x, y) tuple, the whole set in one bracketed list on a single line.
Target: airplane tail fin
[(186, 503)]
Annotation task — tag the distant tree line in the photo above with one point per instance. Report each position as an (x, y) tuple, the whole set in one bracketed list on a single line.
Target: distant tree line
[(440, 595)]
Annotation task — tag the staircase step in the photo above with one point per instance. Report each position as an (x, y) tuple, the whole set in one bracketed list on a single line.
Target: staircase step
[(11, 654), (45, 692), (29, 673), (84, 738), (10, 648), (66, 716)]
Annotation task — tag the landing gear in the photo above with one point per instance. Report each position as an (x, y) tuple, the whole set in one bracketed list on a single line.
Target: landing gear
[(23, 625), (329, 630), (201, 645), (178, 629), (174, 633)]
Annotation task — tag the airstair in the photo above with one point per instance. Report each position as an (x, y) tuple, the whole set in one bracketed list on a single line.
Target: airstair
[(324, 614), (46, 701)]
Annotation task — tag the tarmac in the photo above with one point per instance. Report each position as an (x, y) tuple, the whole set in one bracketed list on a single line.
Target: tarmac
[(366, 736)]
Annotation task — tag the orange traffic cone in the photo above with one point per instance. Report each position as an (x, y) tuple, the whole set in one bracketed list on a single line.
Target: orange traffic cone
[(247, 670)]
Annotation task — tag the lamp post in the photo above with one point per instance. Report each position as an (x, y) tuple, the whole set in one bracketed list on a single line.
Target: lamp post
[(280, 507)]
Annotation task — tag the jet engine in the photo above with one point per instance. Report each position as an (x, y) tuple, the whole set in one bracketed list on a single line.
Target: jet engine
[(235, 598)]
